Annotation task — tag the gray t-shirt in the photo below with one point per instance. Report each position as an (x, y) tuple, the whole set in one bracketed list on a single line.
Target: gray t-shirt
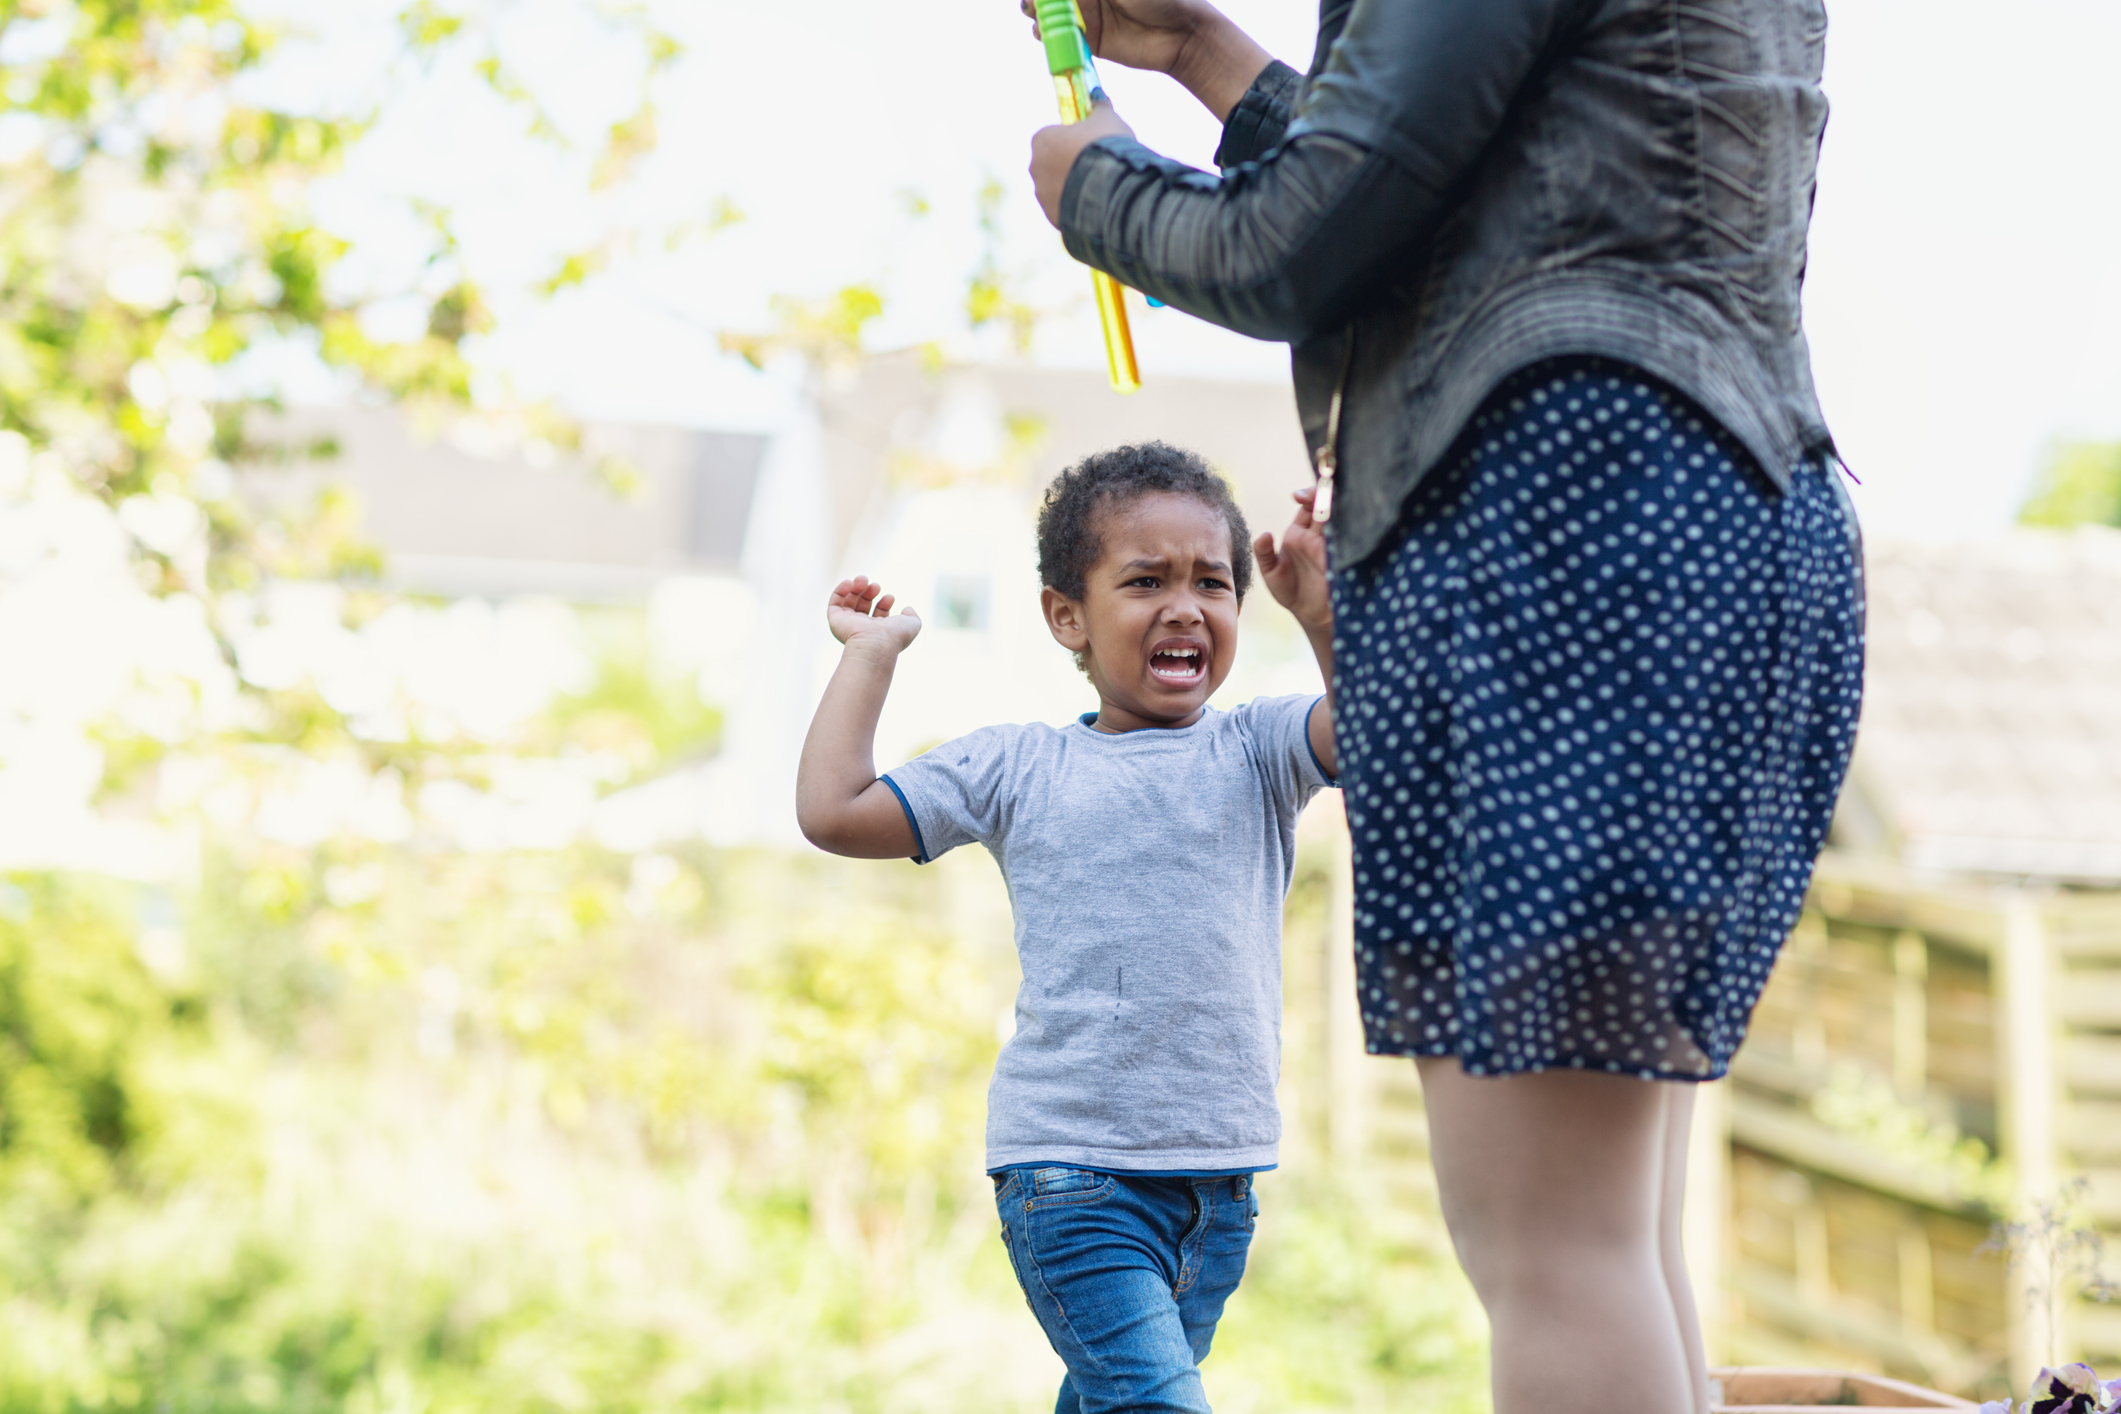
[(1147, 871)]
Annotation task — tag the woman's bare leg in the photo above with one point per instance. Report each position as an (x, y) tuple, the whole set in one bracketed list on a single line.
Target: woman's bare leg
[(1678, 1123), (1552, 1186)]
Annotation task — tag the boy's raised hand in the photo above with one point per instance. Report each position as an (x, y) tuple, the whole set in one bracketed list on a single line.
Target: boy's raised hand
[(1295, 574), (860, 608), (840, 803)]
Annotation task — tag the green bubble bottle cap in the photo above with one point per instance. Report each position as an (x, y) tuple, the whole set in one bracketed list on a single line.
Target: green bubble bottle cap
[(1060, 25)]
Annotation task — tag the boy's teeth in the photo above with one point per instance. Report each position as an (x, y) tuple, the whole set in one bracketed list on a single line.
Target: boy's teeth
[(1175, 662)]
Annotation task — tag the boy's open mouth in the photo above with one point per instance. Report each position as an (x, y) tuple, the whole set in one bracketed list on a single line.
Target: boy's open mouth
[(1178, 662)]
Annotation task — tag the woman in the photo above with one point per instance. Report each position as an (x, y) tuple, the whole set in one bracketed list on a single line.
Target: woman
[(1598, 591)]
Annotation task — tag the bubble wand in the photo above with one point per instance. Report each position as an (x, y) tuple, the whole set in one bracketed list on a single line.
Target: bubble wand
[(1060, 25)]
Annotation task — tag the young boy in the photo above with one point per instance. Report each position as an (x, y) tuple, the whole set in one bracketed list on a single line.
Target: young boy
[(1147, 849)]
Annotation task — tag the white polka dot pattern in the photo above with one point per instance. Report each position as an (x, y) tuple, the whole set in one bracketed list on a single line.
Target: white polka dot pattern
[(1594, 707)]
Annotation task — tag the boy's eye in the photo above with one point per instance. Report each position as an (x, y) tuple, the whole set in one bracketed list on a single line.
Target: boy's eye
[(1212, 583), (1146, 581)]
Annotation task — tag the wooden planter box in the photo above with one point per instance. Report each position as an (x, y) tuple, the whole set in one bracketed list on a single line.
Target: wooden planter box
[(1755, 1390)]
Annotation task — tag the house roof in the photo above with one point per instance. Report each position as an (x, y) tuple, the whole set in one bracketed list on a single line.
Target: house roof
[(458, 517), (894, 419), (1991, 736)]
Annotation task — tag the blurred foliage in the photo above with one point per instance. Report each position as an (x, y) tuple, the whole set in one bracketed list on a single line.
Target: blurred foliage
[(93, 1054), (828, 332), (553, 1131), (1867, 1107), (156, 240), (824, 332), (148, 238), (646, 717), (989, 296), (2080, 485), (155, 232), (428, 26), (371, 1227), (1025, 436), (1330, 1317)]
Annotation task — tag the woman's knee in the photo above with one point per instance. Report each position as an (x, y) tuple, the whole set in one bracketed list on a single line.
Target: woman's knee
[(1508, 1264), (1554, 1170)]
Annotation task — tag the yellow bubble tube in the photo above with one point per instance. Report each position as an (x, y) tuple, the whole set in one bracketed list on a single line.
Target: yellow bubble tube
[(1060, 25)]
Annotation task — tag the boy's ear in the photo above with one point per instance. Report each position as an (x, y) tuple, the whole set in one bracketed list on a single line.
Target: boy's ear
[(1064, 619)]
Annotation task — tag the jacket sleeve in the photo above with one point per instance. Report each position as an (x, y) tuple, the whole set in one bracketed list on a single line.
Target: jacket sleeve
[(1405, 101), (1260, 118)]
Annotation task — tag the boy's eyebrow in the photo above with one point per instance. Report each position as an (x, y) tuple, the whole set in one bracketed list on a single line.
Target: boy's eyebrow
[(1157, 564)]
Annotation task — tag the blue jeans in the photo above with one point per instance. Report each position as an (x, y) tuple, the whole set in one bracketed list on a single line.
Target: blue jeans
[(1128, 1276)]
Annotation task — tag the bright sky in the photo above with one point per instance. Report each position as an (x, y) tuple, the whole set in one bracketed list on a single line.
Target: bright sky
[(1964, 298)]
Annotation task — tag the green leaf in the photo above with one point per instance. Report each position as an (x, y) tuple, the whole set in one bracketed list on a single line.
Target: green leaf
[(629, 140), (427, 25), (2080, 485)]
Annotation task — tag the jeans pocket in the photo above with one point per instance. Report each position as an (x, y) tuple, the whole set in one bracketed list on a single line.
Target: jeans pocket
[(1056, 1187)]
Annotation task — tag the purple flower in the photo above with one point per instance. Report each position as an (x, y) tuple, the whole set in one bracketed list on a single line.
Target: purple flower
[(2073, 1389)]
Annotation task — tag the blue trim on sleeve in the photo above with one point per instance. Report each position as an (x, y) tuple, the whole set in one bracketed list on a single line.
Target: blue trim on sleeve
[(918, 843), (1327, 776)]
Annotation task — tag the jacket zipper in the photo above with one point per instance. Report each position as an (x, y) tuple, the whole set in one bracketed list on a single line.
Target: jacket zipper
[(1325, 462)]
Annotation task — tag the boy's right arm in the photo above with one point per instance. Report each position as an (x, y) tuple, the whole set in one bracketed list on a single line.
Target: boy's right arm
[(1297, 575), (840, 804)]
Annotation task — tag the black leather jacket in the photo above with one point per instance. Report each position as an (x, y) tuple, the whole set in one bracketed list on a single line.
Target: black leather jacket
[(1461, 188)]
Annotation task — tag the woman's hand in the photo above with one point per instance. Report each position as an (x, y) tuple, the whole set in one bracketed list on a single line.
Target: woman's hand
[(1296, 573), (1054, 150), (1141, 34), (1190, 40), (859, 608)]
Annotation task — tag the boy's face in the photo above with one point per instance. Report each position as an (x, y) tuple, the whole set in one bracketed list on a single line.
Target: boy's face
[(1158, 617)]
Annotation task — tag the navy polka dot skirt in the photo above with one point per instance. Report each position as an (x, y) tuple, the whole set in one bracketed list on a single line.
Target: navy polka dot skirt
[(1594, 708)]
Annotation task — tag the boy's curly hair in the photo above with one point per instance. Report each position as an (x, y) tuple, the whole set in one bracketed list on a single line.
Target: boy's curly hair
[(1068, 542)]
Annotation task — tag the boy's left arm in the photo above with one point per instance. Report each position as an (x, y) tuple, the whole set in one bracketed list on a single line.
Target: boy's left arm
[(1295, 574)]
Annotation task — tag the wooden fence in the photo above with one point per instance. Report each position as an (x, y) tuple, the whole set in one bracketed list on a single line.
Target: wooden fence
[(1904, 1011), (1930, 1058)]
